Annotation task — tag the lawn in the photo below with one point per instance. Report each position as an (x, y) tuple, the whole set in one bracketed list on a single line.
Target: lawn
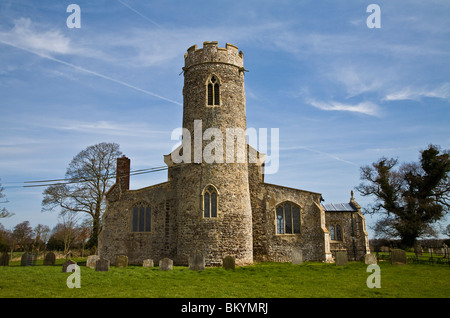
[(264, 280)]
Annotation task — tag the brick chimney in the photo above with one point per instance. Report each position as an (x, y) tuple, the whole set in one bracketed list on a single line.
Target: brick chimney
[(123, 173)]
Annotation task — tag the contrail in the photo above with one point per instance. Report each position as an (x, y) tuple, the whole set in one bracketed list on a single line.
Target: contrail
[(137, 12), (90, 72)]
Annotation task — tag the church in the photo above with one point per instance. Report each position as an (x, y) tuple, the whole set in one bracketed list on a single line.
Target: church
[(221, 206)]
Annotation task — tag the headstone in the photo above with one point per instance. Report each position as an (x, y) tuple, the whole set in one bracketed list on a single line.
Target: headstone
[(196, 262), (229, 262), (147, 263), (385, 249), (370, 259), (4, 259), (50, 259), (418, 250), (121, 261), (28, 259), (341, 258), (398, 257), (166, 264), (66, 264), (92, 260), (102, 265), (297, 256)]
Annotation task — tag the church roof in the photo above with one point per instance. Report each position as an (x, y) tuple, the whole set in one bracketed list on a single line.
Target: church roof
[(339, 207)]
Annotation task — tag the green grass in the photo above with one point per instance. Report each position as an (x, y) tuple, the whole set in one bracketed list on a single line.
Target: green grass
[(264, 280)]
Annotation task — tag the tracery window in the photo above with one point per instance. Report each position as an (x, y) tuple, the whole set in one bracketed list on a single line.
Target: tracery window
[(288, 218), (213, 92), (335, 232), (141, 218), (210, 202)]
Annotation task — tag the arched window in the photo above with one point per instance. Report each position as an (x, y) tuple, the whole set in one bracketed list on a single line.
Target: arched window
[(213, 92), (210, 202), (332, 233), (288, 218), (141, 218)]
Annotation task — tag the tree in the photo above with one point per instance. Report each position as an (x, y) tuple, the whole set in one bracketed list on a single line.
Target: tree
[(22, 235), (411, 197), (41, 237), (88, 178), (4, 213)]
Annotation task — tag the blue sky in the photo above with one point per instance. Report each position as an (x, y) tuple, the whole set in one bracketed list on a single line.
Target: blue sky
[(342, 94)]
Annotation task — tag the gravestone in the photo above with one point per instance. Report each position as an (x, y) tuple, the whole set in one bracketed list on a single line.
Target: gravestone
[(166, 264), (28, 259), (121, 261), (66, 264), (229, 262), (418, 250), (398, 257), (385, 249), (147, 263), (4, 259), (50, 259), (370, 259), (297, 257), (196, 262), (102, 265), (92, 260), (341, 258)]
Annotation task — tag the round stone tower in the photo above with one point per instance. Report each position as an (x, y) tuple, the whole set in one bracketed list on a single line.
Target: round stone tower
[(213, 211)]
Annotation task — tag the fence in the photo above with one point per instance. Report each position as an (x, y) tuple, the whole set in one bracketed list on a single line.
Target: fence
[(418, 258)]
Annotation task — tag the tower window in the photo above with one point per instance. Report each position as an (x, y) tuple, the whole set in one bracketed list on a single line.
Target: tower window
[(288, 218), (213, 92), (210, 203), (141, 218)]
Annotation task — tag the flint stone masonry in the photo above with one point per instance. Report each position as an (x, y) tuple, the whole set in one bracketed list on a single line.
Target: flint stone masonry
[(246, 221)]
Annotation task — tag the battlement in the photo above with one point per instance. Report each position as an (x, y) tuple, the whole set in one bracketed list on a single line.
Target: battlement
[(212, 53)]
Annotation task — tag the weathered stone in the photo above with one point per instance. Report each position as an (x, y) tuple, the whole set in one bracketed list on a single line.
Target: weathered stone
[(370, 259), (196, 262), (147, 263), (121, 261), (66, 264), (28, 259), (92, 260), (229, 263), (398, 257), (50, 259), (166, 264), (297, 256), (4, 259), (341, 258), (102, 265)]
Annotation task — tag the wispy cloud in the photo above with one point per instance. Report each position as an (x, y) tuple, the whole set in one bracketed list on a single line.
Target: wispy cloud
[(409, 93), (367, 108)]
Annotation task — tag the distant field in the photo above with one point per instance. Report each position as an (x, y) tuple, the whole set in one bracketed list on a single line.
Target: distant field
[(264, 280)]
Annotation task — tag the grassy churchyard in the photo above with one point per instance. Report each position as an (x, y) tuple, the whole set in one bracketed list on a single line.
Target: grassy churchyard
[(263, 280)]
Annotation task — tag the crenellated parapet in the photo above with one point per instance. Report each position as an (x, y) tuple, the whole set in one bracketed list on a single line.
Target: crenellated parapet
[(212, 53)]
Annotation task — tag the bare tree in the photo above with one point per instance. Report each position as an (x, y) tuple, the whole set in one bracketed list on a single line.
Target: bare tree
[(4, 213), (89, 176), (22, 234)]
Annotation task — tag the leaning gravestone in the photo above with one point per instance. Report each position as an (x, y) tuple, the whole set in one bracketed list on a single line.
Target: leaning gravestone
[(398, 257), (50, 259), (229, 262), (166, 264), (196, 262), (4, 259), (370, 259), (102, 265), (297, 257), (66, 264), (147, 263), (91, 260), (341, 258), (28, 259), (121, 261)]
